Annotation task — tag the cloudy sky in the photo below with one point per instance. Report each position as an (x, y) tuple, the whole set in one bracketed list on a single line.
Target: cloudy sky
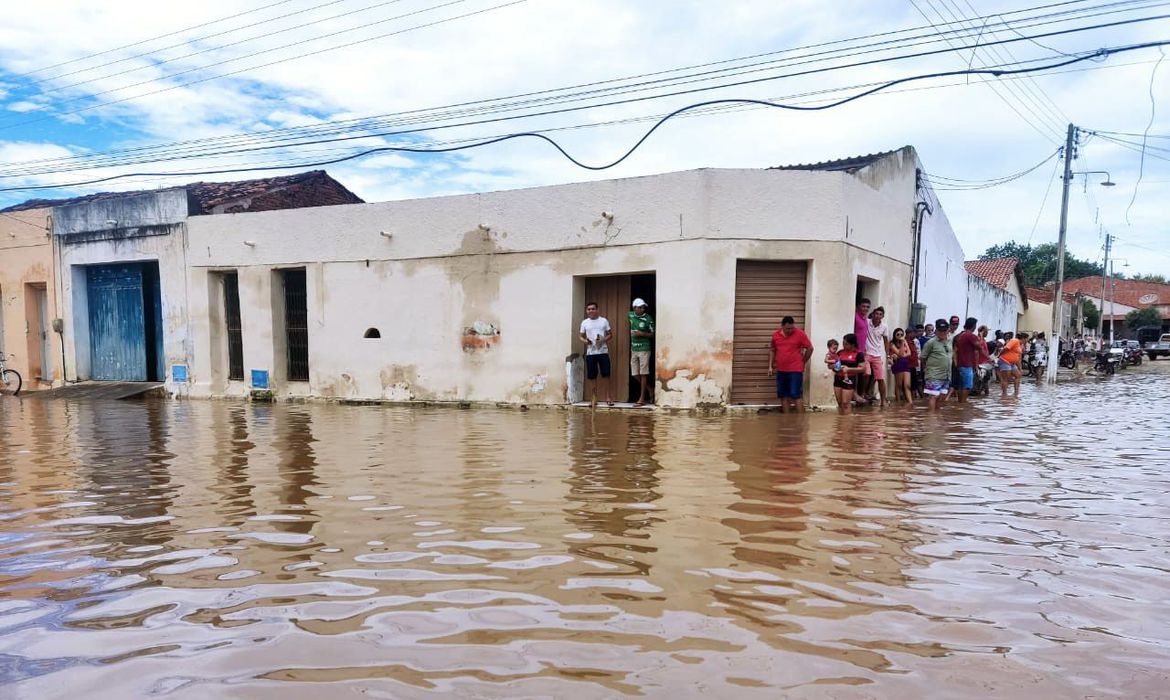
[(89, 90)]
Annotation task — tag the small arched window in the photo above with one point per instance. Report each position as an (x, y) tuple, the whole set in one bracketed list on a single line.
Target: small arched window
[(372, 333)]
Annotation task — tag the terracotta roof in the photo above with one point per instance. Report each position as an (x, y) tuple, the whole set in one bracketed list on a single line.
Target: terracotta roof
[(851, 165), (1044, 295), (309, 189), (1128, 292), (998, 271)]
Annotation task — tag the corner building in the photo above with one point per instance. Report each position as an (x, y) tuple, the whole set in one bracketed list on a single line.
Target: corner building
[(477, 298)]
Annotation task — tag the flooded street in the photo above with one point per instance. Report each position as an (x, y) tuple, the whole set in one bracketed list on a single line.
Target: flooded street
[(213, 549)]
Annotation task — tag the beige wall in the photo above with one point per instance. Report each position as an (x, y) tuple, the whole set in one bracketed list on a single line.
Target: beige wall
[(26, 263), (438, 272)]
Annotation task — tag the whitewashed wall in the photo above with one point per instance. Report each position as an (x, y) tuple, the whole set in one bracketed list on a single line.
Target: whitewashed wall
[(942, 277), (994, 307), (438, 271)]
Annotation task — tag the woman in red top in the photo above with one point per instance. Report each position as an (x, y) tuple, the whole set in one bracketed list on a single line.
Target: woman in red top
[(849, 367)]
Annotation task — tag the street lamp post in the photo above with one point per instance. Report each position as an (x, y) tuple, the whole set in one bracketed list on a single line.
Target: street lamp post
[(1058, 296)]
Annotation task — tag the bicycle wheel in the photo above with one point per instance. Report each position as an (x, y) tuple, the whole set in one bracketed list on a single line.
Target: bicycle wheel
[(10, 382)]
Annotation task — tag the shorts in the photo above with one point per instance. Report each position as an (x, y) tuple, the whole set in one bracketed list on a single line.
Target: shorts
[(876, 365), (966, 378), (936, 387), (790, 385), (639, 362), (1005, 367), (597, 363)]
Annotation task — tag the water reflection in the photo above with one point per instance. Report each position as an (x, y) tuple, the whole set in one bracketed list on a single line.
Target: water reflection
[(201, 549)]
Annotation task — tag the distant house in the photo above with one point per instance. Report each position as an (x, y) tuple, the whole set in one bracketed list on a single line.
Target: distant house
[(1124, 296), (1038, 318), (995, 293), (121, 261), (28, 298)]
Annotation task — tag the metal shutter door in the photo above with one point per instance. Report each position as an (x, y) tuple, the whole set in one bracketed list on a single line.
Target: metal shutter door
[(765, 292)]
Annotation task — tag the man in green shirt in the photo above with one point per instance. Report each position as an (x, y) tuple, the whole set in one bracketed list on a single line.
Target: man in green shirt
[(936, 358), (641, 346)]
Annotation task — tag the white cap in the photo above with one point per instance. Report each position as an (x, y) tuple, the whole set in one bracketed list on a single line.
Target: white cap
[(638, 302)]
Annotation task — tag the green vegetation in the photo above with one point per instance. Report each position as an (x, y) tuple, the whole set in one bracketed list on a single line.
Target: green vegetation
[(1143, 317), (1038, 263), (1157, 279)]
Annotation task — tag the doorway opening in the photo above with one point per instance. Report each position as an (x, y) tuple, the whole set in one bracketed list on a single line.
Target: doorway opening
[(866, 289), (614, 295), (125, 322), (40, 357)]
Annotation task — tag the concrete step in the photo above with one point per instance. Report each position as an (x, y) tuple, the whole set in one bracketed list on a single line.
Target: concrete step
[(100, 390)]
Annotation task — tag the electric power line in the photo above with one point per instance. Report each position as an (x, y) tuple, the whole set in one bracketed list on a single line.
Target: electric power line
[(640, 141), (350, 124)]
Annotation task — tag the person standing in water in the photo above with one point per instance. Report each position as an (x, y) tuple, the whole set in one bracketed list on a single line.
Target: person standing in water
[(596, 333), (641, 347)]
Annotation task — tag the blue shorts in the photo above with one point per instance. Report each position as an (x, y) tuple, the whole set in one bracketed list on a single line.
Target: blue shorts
[(966, 378), (1005, 367), (789, 385), (595, 364), (936, 387)]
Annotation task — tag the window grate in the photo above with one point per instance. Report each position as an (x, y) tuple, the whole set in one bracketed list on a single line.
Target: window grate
[(296, 324), (235, 326)]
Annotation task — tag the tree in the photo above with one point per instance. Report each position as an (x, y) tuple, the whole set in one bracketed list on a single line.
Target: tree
[(1148, 316), (1090, 313), (1156, 279), (1038, 263)]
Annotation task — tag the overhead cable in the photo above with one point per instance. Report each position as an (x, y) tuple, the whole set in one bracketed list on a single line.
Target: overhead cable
[(640, 141)]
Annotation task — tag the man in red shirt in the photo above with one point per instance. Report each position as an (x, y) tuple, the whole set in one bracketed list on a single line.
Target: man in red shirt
[(788, 353), (969, 352)]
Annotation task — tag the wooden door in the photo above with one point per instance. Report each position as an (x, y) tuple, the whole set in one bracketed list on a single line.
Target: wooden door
[(612, 295), (765, 292)]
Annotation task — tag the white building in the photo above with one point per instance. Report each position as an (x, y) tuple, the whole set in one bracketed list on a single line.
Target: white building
[(478, 297)]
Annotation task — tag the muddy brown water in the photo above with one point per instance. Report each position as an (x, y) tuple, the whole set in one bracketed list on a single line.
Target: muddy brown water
[(211, 549)]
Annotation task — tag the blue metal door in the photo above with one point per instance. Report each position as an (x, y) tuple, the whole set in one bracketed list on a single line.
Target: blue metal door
[(117, 323)]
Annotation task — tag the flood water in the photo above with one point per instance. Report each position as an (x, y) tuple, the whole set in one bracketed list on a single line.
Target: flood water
[(212, 549)]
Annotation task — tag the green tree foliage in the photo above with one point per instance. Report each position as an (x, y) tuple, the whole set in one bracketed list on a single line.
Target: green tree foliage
[(1157, 279), (1038, 263), (1091, 313), (1143, 317)]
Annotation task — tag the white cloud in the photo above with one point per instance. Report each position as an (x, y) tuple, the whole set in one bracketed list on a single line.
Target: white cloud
[(961, 131)]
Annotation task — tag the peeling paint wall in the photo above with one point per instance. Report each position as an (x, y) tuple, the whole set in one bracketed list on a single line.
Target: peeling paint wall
[(26, 258), (476, 297)]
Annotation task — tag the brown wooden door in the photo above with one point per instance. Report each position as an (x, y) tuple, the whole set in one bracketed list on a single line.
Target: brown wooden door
[(765, 292), (612, 295)]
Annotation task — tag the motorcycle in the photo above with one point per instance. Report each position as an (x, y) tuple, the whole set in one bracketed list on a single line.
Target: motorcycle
[(1068, 359), (1106, 363)]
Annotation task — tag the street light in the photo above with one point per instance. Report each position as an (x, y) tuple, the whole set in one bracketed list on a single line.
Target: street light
[(1107, 182)]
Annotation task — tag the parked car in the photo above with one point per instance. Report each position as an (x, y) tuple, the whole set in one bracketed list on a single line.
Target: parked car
[(1158, 348)]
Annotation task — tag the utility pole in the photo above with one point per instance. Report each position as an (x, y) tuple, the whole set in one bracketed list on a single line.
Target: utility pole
[(1058, 296), (1104, 277), (1112, 298)]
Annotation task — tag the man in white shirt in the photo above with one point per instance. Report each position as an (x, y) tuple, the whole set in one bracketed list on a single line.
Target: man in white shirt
[(877, 346), (596, 333)]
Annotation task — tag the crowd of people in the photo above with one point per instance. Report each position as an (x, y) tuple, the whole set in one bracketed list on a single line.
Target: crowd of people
[(947, 359), (936, 361)]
